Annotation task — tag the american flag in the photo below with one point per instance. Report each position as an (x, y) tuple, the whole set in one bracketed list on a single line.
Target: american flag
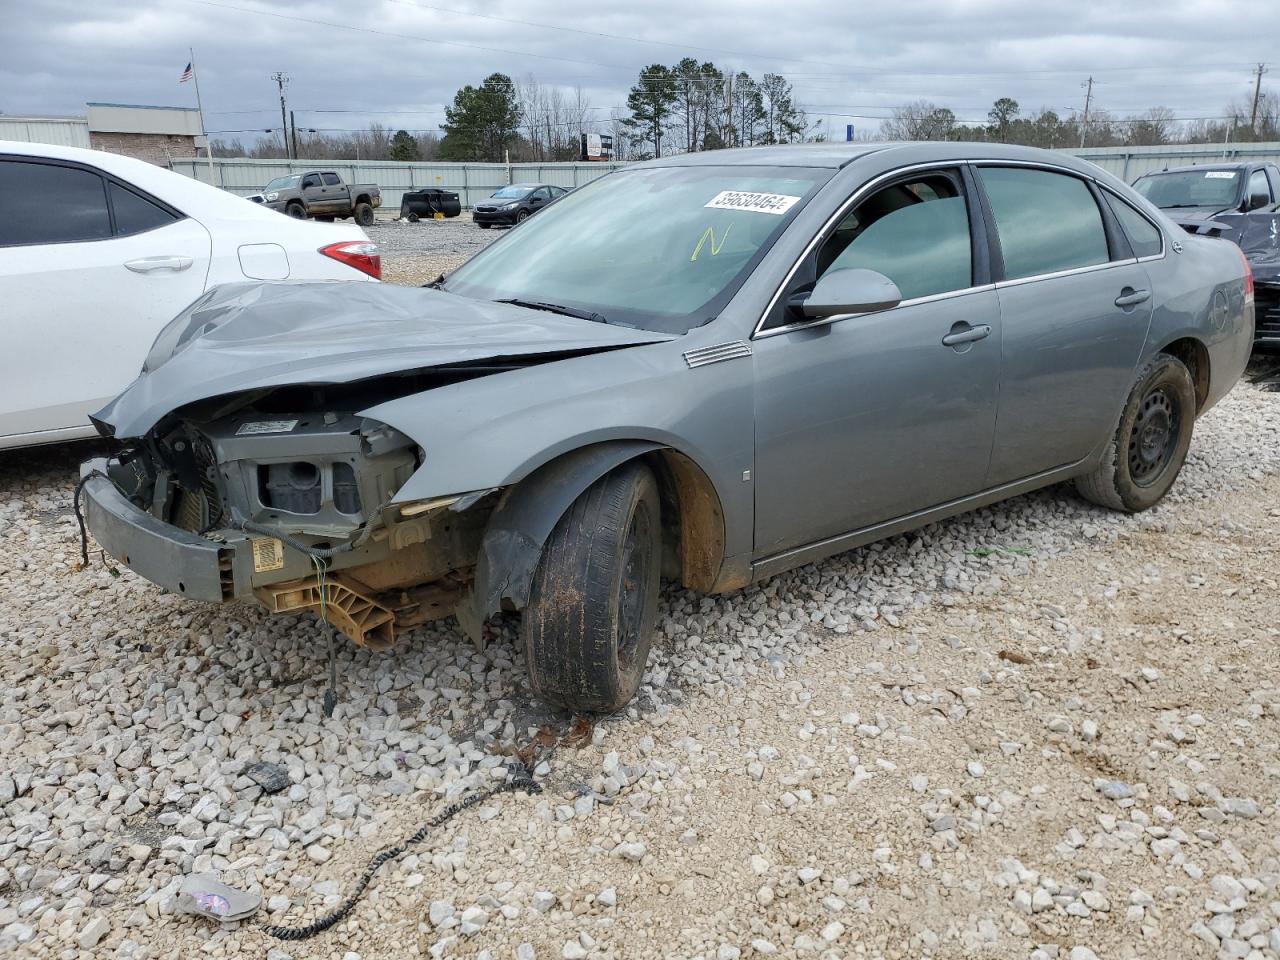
[(186, 74)]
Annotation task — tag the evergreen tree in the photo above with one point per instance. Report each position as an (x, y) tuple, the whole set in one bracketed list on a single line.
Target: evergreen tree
[(482, 122)]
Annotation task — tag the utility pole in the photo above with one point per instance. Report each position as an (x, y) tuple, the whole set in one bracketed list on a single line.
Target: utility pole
[(293, 132), (1084, 123), (281, 79), (1257, 92)]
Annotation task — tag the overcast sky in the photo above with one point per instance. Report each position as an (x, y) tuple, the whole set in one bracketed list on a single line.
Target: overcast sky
[(399, 61)]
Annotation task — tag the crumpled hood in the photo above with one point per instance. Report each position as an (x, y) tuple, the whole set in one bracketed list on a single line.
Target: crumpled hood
[(1195, 214), (248, 336)]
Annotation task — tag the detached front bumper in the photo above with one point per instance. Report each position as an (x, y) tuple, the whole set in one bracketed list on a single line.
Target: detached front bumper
[(180, 562), (227, 565)]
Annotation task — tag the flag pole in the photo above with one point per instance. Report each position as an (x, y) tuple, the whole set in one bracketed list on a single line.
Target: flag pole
[(208, 143)]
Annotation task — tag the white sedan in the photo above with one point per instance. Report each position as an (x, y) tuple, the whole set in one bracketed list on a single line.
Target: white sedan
[(98, 252)]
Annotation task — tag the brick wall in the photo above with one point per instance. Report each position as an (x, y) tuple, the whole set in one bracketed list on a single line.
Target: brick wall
[(155, 148)]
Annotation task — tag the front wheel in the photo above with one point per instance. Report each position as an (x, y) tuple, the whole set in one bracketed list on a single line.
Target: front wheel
[(589, 623), (363, 214), (1151, 441), (522, 216), (297, 211)]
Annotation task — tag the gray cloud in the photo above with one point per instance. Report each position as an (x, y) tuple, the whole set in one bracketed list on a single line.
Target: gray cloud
[(849, 62)]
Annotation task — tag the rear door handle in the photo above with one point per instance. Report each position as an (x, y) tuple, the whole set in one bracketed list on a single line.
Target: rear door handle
[(1130, 297), (963, 333), (151, 264)]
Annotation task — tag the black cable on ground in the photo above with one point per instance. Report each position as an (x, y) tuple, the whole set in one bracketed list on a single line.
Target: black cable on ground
[(520, 782)]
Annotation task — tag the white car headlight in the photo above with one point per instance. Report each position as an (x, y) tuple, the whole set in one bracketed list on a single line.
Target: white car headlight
[(273, 195)]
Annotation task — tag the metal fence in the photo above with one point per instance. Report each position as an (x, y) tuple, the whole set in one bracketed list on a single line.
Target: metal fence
[(1129, 163), (472, 182)]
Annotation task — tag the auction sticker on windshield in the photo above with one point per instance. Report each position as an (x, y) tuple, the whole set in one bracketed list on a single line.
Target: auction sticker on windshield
[(775, 203), (1220, 175)]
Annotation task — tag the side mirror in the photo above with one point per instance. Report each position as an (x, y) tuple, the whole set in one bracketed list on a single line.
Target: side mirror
[(849, 290), (1257, 200)]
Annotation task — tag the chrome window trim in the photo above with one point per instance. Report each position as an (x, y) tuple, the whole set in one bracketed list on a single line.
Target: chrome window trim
[(1091, 268), (823, 321), (860, 194)]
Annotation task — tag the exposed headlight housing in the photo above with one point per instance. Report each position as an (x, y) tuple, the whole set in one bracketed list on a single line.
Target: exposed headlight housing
[(273, 195)]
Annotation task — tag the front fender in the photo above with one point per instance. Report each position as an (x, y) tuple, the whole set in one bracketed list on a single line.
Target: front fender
[(528, 512)]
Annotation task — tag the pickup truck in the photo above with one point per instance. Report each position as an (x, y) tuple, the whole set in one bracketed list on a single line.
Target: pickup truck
[(321, 194)]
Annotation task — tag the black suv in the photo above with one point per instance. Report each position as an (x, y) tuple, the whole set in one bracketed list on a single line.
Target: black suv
[(514, 203)]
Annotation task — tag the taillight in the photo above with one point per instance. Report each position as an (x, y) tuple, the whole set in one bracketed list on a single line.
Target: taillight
[(360, 254), (1248, 277)]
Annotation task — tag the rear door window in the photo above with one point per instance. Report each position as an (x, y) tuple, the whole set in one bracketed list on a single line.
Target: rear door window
[(136, 214), (49, 203), (1144, 236), (1047, 222), (331, 179), (915, 232)]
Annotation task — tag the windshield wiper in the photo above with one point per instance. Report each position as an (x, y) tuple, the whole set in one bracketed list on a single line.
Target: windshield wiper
[(1180, 206), (556, 308)]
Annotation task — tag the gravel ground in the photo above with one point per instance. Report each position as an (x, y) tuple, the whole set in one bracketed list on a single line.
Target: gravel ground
[(1039, 730), (417, 253)]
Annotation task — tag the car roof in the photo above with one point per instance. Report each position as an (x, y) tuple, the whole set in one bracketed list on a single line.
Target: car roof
[(191, 196), (893, 153), (1198, 167)]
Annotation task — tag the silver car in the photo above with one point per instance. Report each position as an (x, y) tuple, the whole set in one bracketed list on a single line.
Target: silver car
[(708, 368)]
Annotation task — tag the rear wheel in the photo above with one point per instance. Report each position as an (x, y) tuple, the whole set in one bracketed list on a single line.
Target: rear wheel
[(297, 211), (1144, 457), (363, 214), (594, 599)]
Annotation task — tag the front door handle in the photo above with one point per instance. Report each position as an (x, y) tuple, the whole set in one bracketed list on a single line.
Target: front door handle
[(151, 264), (1130, 297), (963, 333)]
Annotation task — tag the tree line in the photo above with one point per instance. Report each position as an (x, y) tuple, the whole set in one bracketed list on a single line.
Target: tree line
[(1006, 123), (694, 106)]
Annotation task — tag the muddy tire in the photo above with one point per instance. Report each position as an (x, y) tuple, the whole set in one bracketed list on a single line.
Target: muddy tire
[(594, 599), (297, 211), (1150, 444), (363, 214)]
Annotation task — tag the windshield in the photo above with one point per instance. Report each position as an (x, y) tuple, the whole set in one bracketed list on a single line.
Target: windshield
[(513, 192), (661, 248), (1191, 188), (282, 183)]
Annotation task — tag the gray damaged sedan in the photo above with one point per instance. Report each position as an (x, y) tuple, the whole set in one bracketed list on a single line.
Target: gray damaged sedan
[(708, 368)]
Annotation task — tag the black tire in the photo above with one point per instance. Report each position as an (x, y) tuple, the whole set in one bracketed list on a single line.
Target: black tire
[(1151, 441), (412, 218), (297, 211), (522, 216), (594, 600), (484, 226), (363, 214)]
